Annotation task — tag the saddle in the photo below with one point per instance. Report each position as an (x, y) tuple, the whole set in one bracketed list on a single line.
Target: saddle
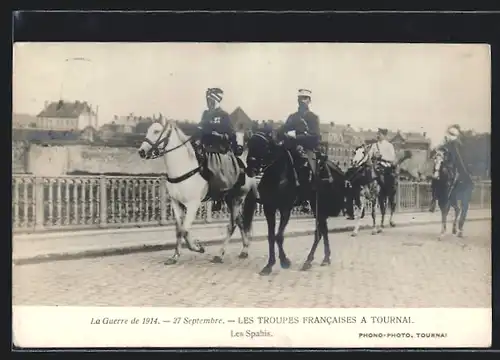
[(304, 176), (202, 152)]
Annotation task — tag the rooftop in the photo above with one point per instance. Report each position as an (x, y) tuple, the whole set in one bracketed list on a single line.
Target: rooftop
[(66, 109)]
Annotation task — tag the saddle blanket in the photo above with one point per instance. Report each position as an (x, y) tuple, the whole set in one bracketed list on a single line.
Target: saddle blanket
[(224, 170)]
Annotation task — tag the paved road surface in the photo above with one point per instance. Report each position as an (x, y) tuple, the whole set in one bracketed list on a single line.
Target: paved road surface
[(403, 267)]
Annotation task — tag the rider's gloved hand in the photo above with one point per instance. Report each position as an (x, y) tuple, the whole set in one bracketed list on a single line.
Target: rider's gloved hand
[(291, 134)]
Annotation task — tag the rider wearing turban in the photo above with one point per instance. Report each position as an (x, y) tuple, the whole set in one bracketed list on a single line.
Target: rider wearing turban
[(217, 135), (215, 125)]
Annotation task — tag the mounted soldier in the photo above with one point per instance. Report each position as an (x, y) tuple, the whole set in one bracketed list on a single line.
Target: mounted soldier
[(452, 147), (385, 156), (219, 146), (301, 135)]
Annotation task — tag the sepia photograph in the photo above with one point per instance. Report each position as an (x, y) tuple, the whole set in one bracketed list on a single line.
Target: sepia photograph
[(260, 191)]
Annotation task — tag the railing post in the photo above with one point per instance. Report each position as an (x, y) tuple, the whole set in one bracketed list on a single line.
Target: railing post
[(103, 202), (163, 201), (39, 204), (417, 197), (481, 201), (398, 196), (208, 215)]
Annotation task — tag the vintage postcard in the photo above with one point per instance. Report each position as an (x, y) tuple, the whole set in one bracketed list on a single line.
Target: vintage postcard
[(251, 195)]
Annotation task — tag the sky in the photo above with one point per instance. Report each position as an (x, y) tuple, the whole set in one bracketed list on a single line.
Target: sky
[(410, 87)]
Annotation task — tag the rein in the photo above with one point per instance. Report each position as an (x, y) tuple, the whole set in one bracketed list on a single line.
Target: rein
[(163, 151)]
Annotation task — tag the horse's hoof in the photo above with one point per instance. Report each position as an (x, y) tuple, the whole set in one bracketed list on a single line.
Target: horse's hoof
[(392, 223), (379, 230), (243, 255), (454, 231), (326, 262), (460, 234), (265, 271), (201, 249), (354, 234), (285, 263), (171, 261), (307, 265), (382, 226), (217, 260), (374, 232), (440, 237)]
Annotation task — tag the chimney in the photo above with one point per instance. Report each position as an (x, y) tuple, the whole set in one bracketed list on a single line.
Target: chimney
[(425, 134), (46, 104), (96, 116)]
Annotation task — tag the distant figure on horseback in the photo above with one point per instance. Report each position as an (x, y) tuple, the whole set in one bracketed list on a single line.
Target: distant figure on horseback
[(384, 154), (301, 136), (218, 140), (386, 164), (452, 181), (372, 178)]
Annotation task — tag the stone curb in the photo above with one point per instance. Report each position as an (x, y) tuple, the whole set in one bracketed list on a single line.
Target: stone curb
[(63, 256)]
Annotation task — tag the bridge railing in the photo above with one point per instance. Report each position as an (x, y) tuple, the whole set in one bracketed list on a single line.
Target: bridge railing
[(82, 202)]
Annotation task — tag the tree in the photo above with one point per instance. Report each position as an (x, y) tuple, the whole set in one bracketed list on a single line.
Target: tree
[(142, 127), (477, 152)]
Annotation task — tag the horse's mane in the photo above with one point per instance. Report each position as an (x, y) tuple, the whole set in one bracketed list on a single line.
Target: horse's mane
[(183, 138)]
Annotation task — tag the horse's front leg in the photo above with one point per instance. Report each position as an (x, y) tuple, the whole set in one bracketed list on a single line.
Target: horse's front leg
[(382, 205), (444, 216), (191, 209), (280, 236), (323, 224), (375, 228), (270, 213), (245, 237), (466, 196), (177, 210), (358, 211), (392, 205), (230, 231), (455, 218)]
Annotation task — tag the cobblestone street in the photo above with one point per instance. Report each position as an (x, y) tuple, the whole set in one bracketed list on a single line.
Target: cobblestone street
[(402, 267)]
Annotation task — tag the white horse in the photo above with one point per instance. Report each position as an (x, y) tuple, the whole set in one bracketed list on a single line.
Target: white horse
[(187, 186), (363, 188)]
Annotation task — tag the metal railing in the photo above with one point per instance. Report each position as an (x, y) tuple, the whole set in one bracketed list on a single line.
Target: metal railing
[(82, 202)]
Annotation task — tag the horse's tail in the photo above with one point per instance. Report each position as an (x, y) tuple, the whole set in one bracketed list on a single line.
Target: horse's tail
[(249, 206)]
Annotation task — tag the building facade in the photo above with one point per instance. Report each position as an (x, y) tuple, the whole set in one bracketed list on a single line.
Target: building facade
[(67, 116)]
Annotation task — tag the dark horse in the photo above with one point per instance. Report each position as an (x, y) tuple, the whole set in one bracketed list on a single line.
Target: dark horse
[(451, 184), (278, 190)]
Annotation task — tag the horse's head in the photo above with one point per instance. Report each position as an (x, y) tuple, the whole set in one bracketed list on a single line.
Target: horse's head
[(260, 151), (155, 141), (360, 156), (442, 162)]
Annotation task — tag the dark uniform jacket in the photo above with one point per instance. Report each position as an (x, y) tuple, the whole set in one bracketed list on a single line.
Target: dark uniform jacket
[(216, 120), (455, 149), (306, 126)]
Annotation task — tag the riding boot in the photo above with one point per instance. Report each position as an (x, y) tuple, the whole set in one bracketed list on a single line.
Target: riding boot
[(217, 205)]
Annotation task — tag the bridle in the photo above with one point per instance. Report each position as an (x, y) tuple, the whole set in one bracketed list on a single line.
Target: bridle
[(159, 148), (358, 166), (155, 147), (364, 159), (262, 169)]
